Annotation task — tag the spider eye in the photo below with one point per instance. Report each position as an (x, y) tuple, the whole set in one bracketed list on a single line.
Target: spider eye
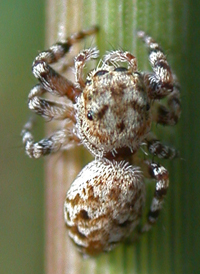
[(90, 115), (100, 72), (120, 69)]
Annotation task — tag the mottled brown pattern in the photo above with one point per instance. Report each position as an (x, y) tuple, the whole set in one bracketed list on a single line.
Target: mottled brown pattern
[(74, 201), (102, 111), (118, 101), (111, 197), (110, 112)]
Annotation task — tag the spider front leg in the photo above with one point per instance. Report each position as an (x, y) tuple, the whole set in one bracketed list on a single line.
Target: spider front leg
[(57, 85), (160, 83), (121, 56), (80, 60), (49, 78), (155, 171)]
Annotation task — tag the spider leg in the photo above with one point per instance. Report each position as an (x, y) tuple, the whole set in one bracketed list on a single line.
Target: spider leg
[(160, 83), (156, 148), (80, 60), (58, 140), (168, 115), (47, 108), (57, 85), (159, 173), (49, 78), (122, 56)]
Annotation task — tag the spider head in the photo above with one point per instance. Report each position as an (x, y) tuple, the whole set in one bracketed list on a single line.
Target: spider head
[(113, 111)]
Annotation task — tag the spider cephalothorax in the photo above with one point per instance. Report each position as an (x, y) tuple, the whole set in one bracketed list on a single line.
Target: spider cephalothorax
[(113, 111), (111, 114)]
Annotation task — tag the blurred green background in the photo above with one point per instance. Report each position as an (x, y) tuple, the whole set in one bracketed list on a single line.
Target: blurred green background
[(22, 184)]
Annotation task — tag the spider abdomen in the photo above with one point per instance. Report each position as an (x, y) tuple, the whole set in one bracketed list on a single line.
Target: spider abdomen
[(104, 205)]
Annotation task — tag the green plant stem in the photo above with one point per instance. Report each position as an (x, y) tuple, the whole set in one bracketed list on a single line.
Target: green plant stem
[(160, 250)]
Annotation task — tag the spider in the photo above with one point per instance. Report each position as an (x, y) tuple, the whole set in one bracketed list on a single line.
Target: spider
[(110, 112)]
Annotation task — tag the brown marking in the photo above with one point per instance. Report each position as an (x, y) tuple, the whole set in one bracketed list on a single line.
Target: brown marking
[(121, 126), (83, 191), (102, 111), (94, 248), (114, 192), (83, 214), (74, 201)]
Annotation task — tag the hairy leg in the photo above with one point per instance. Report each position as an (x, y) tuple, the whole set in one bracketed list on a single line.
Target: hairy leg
[(47, 108), (57, 141), (160, 174), (160, 83), (49, 78), (169, 114), (156, 148), (121, 56), (80, 60)]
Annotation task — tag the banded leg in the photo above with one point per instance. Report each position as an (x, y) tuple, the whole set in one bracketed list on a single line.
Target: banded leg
[(168, 115), (162, 182), (160, 150), (49, 78), (80, 60), (121, 56), (160, 83), (47, 108), (58, 140)]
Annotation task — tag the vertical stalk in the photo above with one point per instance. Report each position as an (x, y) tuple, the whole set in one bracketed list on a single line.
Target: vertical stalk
[(159, 250)]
